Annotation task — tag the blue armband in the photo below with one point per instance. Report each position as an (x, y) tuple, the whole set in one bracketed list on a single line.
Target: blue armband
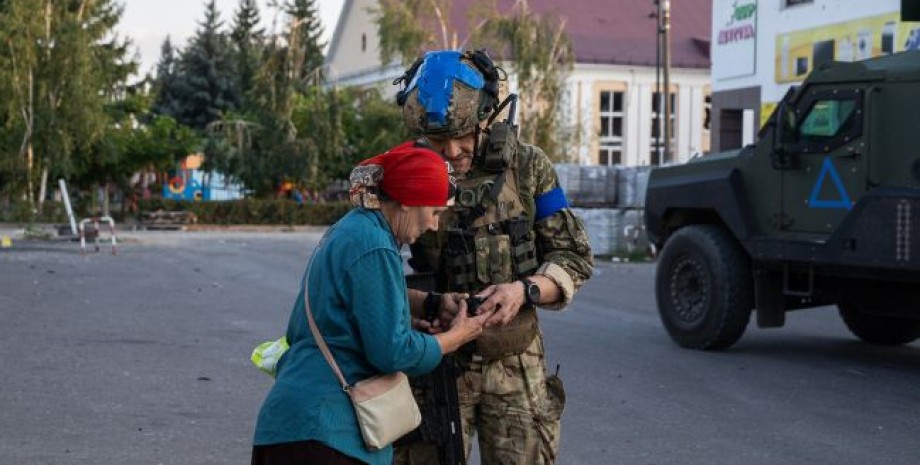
[(550, 202)]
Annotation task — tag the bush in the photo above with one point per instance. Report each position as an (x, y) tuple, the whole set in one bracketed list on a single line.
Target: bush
[(253, 211), (20, 211)]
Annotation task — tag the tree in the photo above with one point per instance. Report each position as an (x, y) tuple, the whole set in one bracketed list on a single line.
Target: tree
[(166, 87), (61, 65), (304, 43), (262, 146), (371, 124), (248, 43), (408, 27), (207, 86), (540, 56)]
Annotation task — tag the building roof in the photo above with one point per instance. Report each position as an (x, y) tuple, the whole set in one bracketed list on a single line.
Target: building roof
[(621, 32), (617, 32)]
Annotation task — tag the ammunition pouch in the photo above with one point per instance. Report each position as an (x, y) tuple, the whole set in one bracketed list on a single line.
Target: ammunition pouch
[(460, 260), (512, 339), (499, 148), (523, 246)]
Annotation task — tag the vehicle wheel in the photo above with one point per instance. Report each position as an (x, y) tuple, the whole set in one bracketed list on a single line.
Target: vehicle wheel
[(704, 288), (879, 329)]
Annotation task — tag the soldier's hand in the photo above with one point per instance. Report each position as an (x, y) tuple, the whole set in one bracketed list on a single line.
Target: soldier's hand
[(504, 301)]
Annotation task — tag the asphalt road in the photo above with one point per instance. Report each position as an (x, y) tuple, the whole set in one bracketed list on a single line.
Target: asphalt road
[(143, 358)]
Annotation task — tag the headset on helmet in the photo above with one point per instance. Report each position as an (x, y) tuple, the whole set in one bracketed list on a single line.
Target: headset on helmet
[(448, 93)]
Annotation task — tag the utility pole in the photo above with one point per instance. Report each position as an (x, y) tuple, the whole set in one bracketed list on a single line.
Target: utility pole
[(656, 155), (666, 47)]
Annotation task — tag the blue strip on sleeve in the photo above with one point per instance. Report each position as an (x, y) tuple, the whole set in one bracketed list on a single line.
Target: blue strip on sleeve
[(550, 202)]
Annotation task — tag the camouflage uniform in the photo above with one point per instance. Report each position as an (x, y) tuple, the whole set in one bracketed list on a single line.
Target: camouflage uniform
[(508, 399)]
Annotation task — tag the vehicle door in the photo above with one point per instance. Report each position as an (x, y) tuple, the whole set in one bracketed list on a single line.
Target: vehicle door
[(828, 173)]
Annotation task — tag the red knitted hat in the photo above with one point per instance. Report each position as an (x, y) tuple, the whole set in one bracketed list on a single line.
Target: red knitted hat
[(413, 176)]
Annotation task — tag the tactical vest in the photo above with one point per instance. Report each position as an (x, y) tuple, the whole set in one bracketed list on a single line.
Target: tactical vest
[(487, 238)]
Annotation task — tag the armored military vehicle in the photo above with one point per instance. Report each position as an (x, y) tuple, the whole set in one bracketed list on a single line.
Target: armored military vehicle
[(823, 210)]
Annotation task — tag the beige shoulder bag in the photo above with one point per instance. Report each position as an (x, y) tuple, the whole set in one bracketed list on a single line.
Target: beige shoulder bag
[(384, 404)]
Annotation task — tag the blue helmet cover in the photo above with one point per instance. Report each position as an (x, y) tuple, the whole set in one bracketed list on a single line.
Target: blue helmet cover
[(435, 79)]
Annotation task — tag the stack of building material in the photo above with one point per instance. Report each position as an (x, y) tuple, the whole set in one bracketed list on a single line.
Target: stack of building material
[(168, 220), (609, 200), (632, 182), (588, 186), (604, 230)]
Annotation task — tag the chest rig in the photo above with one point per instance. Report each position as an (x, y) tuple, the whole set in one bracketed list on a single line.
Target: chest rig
[(488, 236)]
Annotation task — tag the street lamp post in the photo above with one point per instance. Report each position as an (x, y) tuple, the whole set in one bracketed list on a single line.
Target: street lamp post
[(656, 155), (666, 52)]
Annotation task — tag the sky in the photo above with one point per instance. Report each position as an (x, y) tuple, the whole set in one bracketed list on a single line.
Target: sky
[(148, 22)]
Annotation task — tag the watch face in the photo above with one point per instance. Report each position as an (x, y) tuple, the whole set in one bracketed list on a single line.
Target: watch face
[(532, 290)]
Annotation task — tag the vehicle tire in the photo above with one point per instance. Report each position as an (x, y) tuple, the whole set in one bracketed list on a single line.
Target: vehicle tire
[(704, 288), (879, 329)]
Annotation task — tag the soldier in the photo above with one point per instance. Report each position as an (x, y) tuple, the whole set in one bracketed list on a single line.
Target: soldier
[(511, 239)]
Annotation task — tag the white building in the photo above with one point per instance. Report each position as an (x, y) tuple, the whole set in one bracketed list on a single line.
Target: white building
[(610, 94), (762, 47)]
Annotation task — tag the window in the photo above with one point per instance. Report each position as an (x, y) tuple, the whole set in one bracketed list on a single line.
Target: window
[(608, 157), (824, 120), (657, 143), (788, 3), (827, 118), (611, 134), (363, 42)]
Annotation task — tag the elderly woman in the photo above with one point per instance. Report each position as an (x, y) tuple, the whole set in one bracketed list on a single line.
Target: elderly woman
[(357, 295)]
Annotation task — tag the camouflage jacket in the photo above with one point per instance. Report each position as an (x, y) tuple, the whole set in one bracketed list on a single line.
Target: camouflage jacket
[(505, 242)]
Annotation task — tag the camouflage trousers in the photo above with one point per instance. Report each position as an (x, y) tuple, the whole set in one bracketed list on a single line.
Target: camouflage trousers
[(510, 405)]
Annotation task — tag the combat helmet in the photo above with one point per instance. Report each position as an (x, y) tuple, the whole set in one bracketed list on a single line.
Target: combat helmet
[(447, 93)]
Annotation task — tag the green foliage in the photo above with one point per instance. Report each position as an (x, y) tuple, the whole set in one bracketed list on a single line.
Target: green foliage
[(408, 27), (206, 86), (60, 66), (254, 211), (371, 124), (253, 103), (167, 85), (21, 212), (304, 43), (540, 55), (248, 40), (292, 129)]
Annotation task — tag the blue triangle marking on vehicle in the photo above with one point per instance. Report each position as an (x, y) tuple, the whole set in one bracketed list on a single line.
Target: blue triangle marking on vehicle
[(844, 200)]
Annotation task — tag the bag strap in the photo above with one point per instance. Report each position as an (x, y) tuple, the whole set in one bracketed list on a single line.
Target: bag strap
[(314, 329)]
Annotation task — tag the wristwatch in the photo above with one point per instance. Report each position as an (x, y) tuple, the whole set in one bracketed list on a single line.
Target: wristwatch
[(531, 292)]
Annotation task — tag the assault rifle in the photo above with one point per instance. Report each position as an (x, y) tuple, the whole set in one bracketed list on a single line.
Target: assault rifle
[(436, 394)]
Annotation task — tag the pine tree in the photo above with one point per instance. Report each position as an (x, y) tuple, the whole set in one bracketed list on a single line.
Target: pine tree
[(206, 73), (166, 84), (248, 41), (304, 41)]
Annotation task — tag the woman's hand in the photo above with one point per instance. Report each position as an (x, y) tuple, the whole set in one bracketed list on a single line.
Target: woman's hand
[(463, 328), (450, 306)]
